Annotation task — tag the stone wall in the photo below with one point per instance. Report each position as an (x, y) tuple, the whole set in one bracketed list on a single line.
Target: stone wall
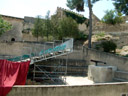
[(16, 31), (60, 14), (20, 48), (122, 38), (112, 89), (30, 37), (21, 29), (111, 59), (98, 27)]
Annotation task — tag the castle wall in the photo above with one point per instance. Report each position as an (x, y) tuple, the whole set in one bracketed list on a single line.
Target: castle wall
[(15, 32)]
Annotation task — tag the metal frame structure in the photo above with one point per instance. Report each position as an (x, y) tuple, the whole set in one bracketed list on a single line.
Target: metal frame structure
[(54, 75), (40, 72)]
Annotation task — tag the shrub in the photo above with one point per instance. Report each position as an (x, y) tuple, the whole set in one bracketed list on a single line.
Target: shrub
[(82, 36), (126, 55), (98, 46), (108, 46)]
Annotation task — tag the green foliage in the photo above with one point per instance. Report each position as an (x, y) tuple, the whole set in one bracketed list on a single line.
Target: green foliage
[(79, 6), (126, 55), (67, 27), (98, 46), (50, 38), (82, 36), (55, 28), (47, 25), (121, 6), (76, 4), (100, 34), (93, 1), (38, 27), (77, 18), (108, 46), (4, 26), (112, 17), (42, 27)]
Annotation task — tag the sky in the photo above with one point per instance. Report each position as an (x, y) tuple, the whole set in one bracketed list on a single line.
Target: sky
[(32, 8)]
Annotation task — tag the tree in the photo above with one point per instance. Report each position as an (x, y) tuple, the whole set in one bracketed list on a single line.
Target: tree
[(79, 6), (112, 17), (122, 6), (109, 46), (47, 28), (54, 26), (4, 26), (38, 27), (67, 27)]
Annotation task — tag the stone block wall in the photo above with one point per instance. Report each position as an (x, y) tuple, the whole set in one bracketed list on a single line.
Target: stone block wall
[(16, 31), (112, 89), (111, 59)]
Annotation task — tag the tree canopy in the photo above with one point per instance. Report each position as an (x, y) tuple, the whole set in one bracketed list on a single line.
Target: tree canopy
[(47, 26), (112, 17), (42, 27), (38, 28), (4, 26), (122, 6), (68, 28), (79, 6), (55, 28)]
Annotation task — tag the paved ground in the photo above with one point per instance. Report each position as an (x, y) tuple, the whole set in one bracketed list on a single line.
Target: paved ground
[(77, 80)]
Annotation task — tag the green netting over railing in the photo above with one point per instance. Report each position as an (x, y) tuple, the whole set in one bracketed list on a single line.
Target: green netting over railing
[(23, 57), (42, 52), (66, 45)]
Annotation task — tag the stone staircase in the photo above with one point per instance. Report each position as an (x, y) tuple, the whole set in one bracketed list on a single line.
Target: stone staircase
[(121, 76)]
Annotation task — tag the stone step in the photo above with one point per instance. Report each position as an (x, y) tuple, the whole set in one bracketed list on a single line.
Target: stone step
[(119, 80), (121, 75)]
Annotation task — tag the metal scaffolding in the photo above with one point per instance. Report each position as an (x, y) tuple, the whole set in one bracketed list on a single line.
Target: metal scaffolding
[(56, 73), (43, 72), (45, 52)]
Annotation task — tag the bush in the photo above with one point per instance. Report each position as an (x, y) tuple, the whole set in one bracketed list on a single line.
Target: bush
[(98, 46), (82, 36), (126, 55), (109, 46)]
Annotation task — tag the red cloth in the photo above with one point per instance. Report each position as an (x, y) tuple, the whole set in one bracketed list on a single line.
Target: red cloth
[(12, 73)]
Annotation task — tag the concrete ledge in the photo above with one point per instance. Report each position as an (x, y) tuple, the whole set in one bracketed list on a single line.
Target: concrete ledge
[(102, 89)]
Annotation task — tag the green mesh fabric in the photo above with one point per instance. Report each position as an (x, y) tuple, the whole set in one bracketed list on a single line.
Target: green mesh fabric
[(77, 18)]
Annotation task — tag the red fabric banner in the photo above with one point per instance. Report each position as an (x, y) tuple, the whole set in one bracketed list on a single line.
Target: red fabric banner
[(12, 73)]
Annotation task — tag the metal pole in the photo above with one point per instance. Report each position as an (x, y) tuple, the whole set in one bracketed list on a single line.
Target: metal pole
[(66, 67), (34, 72), (90, 23)]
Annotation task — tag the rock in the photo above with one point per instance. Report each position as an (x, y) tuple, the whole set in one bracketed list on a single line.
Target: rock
[(124, 50), (96, 38)]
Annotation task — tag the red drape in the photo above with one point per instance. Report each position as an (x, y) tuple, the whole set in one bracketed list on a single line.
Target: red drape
[(12, 73)]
